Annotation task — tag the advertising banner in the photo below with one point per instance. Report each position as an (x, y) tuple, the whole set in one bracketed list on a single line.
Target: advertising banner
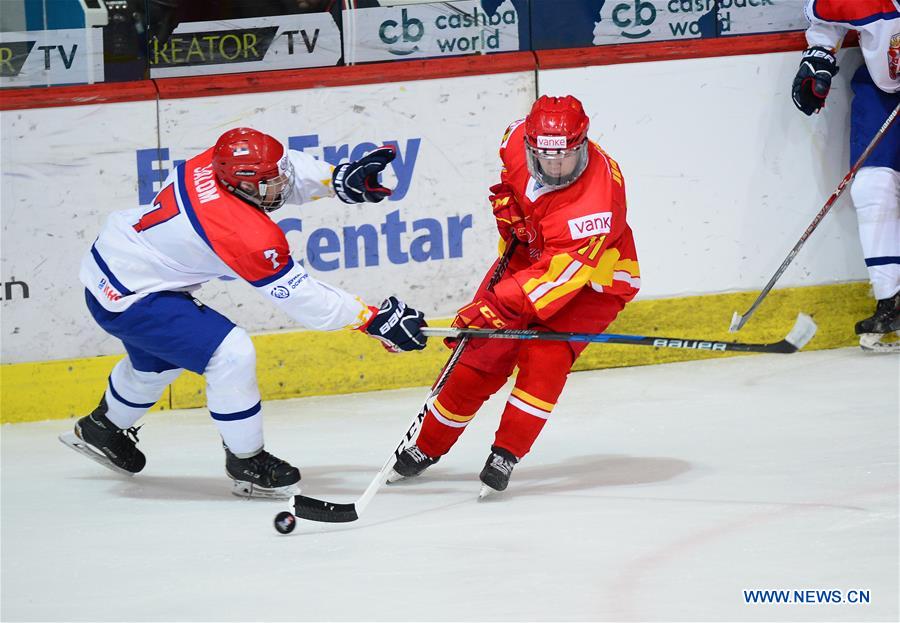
[(239, 45), (51, 57), (437, 29), (581, 23)]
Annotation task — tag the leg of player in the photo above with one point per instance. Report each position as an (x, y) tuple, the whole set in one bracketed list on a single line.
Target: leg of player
[(447, 418), (233, 399), (107, 435), (543, 370), (876, 196)]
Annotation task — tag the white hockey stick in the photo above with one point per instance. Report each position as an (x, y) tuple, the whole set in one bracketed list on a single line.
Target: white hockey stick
[(738, 320), (322, 510)]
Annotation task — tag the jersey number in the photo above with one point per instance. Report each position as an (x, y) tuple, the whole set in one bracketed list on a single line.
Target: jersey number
[(165, 208)]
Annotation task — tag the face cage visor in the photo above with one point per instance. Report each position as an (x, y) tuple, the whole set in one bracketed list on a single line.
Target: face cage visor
[(556, 168), (273, 193)]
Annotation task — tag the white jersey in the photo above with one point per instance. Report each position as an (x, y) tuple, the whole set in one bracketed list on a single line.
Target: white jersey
[(878, 24), (196, 231)]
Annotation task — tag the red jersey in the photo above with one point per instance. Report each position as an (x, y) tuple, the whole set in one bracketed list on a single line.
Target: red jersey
[(581, 237)]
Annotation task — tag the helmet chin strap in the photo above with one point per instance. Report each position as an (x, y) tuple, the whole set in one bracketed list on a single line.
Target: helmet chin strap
[(255, 201)]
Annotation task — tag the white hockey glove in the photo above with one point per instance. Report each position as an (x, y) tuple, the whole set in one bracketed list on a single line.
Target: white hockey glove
[(397, 326), (357, 182)]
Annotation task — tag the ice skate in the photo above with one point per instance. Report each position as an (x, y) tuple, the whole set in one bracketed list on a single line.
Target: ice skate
[(497, 470), (873, 330), (262, 475), (102, 441), (411, 462)]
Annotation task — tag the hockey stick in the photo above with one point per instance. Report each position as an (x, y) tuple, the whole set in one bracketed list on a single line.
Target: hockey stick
[(321, 510), (738, 320), (803, 331)]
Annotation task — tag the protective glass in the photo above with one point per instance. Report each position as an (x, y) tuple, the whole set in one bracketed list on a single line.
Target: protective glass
[(556, 168)]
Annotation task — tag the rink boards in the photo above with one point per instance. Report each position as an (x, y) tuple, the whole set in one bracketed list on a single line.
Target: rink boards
[(723, 175)]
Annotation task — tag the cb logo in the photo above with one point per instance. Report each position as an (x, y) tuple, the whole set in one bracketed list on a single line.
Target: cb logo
[(641, 14), (409, 30)]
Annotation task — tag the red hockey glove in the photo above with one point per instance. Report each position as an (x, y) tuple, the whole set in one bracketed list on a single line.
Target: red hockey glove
[(483, 313), (511, 221)]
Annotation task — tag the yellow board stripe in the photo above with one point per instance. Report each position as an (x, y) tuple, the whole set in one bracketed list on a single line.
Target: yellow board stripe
[(532, 400), (449, 414), (311, 363)]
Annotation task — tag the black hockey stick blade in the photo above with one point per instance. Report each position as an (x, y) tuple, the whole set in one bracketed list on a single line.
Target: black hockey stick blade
[(320, 510)]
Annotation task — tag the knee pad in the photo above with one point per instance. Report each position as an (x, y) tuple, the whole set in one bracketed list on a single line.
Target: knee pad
[(876, 194), (231, 374)]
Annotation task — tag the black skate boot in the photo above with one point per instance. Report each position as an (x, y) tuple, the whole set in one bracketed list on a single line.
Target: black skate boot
[(497, 470), (886, 319), (262, 476), (411, 462), (102, 441)]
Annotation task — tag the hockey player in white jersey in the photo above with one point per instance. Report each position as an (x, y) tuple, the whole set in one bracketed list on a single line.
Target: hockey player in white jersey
[(876, 92), (210, 220)]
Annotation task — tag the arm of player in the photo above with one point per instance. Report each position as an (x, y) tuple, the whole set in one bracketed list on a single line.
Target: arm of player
[(313, 303), (818, 64), (323, 307), (579, 248), (312, 178)]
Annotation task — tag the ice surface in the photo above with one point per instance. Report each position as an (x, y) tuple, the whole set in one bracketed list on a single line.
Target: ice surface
[(655, 493)]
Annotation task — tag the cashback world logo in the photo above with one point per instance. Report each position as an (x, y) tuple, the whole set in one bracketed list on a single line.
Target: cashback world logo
[(455, 32), (634, 17)]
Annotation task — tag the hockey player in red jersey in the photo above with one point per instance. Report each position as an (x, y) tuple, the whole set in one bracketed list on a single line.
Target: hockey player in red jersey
[(210, 219), (876, 92), (574, 269)]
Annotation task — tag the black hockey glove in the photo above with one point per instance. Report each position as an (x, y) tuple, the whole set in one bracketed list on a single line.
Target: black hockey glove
[(813, 79), (397, 326), (356, 182)]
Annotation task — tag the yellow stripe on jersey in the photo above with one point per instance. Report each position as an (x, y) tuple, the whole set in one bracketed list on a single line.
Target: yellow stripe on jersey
[(455, 417), (581, 277), (629, 266), (363, 317), (603, 273), (558, 264), (532, 400)]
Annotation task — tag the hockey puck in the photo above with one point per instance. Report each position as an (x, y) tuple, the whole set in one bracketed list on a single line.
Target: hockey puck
[(285, 522)]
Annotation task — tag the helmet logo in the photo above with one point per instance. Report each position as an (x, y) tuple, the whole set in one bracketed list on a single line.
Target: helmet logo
[(240, 150), (551, 142), (245, 173)]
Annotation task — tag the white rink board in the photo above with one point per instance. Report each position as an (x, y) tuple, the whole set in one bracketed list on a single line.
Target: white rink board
[(723, 173), (63, 171), (448, 133)]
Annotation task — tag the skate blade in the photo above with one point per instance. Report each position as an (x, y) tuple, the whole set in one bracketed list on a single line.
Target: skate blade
[(244, 489), (486, 492), (872, 342), (394, 477), (78, 445)]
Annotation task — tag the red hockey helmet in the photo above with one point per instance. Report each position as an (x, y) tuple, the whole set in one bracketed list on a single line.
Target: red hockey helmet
[(556, 145), (255, 167)]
